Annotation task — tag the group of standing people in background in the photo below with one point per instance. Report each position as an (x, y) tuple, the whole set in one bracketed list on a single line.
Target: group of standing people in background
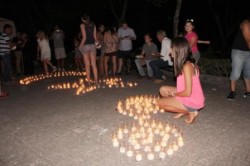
[(100, 44)]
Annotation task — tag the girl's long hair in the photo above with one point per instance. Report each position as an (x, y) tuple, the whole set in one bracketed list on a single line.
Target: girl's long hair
[(181, 52)]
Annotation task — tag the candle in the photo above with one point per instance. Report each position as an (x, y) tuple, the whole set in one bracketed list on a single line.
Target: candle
[(130, 152), (151, 156), (162, 154), (138, 156), (170, 151)]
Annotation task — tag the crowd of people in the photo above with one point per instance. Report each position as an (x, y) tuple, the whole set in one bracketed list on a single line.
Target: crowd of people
[(105, 51)]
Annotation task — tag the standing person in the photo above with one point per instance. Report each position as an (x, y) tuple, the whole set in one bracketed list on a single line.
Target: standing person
[(58, 42), (87, 46), (187, 97), (125, 35), (165, 60), (241, 59), (27, 55), (5, 48), (110, 49), (18, 53), (100, 48), (147, 55), (192, 38), (78, 55), (45, 52)]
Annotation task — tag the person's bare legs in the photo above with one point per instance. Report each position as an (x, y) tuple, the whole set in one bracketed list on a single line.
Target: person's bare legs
[(86, 60), (101, 65), (94, 66), (120, 64), (106, 59), (247, 84), (171, 104), (232, 85), (45, 67), (114, 64)]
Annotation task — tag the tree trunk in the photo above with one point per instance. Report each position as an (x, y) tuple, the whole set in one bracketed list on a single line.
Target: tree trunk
[(176, 17), (119, 17), (219, 25)]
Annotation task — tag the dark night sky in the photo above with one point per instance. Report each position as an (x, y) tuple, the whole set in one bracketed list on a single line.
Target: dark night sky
[(142, 16)]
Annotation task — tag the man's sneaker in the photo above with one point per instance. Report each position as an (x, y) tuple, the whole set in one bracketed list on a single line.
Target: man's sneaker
[(247, 94), (231, 95)]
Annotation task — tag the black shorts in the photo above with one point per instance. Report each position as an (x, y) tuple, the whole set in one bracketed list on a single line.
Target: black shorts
[(124, 54), (111, 54)]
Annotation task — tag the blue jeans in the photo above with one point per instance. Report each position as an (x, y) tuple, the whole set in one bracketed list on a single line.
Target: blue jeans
[(240, 63), (156, 65), (140, 68), (7, 68)]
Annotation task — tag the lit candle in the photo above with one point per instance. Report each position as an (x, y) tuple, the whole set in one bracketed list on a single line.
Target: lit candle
[(138, 156)]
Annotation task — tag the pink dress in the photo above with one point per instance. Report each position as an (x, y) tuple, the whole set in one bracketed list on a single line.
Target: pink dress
[(189, 36), (197, 99)]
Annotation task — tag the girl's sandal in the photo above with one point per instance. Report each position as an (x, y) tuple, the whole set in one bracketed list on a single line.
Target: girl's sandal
[(178, 115), (191, 117)]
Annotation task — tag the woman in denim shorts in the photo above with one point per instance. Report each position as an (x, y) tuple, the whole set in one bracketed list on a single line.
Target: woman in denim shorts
[(87, 46)]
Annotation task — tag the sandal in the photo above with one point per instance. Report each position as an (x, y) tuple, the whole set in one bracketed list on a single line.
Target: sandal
[(3, 95), (191, 117), (178, 115)]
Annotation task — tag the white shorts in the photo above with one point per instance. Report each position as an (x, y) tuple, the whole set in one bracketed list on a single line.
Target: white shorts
[(60, 53)]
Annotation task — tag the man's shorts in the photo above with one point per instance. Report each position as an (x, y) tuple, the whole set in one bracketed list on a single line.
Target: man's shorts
[(60, 53), (124, 54)]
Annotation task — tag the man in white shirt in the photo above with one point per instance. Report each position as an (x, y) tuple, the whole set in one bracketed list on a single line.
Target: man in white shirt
[(164, 60), (125, 35)]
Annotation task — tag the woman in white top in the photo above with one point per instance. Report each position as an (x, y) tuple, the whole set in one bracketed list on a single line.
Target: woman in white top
[(45, 52)]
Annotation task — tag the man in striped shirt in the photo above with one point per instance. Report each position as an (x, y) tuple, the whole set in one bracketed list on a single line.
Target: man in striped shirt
[(5, 48)]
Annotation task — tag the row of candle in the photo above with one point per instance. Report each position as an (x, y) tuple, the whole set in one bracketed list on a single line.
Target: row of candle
[(30, 79), (139, 106), (83, 85)]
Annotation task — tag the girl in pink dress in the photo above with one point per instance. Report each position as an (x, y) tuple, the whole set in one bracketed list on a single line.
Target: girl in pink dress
[(187, 97)]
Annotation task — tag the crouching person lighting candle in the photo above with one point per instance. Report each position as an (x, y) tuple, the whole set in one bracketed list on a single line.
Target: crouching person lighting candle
[(187, 98)]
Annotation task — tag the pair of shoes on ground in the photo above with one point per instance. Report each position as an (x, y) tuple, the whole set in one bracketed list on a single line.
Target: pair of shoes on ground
[(232, 95), (3, 95)]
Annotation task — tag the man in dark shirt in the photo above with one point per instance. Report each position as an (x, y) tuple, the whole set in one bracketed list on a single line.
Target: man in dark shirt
[(241, 59)]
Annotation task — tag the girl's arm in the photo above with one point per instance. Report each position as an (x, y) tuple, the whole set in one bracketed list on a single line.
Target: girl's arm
[(188, 73), (95, 34), (203, 41), (82, 27)]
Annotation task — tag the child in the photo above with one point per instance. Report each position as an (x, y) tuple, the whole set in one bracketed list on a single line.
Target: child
[(192, 38), (78, 55), (187, 98), (44, 49)]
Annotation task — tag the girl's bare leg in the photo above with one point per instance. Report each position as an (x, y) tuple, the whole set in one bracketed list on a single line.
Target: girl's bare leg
[(94, 67), (86, 60), (45, 67), (106, 59), (114, 64)]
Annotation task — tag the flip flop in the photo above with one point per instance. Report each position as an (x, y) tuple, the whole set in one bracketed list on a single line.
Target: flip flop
[(3, 95)]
